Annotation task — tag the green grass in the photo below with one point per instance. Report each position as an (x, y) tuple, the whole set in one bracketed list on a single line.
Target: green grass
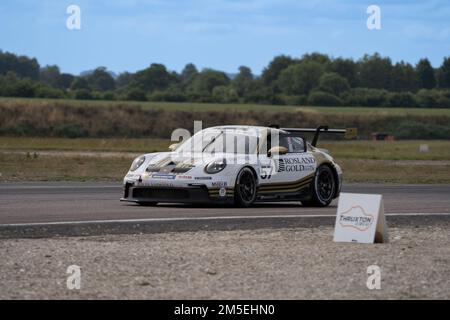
[(64, 167), (179, 106), (383, 150), (19, 167), (362, 161), (201, 107), (381, 111), (84, 144), (393, 171), (380, 150)]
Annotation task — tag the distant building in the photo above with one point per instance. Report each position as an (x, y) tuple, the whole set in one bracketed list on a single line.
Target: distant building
[(381, 136)]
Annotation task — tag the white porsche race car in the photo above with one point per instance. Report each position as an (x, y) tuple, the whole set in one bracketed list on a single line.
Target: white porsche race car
[(237, 165)]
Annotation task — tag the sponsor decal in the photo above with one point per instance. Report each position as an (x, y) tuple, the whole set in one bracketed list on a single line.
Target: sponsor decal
[(219, 184), (163, 176), (184, 177), (360, 218), (296, 164), (157, 184), (356, 218), (203, 178)]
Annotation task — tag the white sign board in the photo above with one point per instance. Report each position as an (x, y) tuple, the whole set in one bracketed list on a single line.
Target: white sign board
[(360, 218)]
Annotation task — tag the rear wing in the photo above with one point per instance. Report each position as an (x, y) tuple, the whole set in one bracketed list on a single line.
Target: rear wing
[(349, 132)]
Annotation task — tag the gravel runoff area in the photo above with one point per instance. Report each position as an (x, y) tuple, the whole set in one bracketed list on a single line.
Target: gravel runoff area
[(302, 263)]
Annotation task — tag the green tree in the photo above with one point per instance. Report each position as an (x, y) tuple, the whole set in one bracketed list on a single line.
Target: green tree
[(44, 91), (171, 94), (156, 77), (319, 98), (444, 73), (83, 94), (49, 75), (402, 100), (299, 79), (346, 68), (258, 92), (425, 74), (23, 66), (365, 97), (428, 98), (136, 94), (333, 83), (224, 94), (403, 78), (320, 58), (101, 80), (375, 72), (124, 79), (7, 83), (188, 73), (64, 80), (207, 80), (275, 67), (80, 83), (24, 88), (243, 80)]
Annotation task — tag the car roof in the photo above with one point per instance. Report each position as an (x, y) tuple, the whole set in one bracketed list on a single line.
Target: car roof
[(244, 128)]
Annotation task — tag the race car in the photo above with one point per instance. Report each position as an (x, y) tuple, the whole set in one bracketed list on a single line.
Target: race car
[(238, 165)]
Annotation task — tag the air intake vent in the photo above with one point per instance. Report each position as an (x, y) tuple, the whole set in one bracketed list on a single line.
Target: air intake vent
[(160, 193)]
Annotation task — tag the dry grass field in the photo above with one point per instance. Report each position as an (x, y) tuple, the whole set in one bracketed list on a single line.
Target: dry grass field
[(202, 107), (57, 159)]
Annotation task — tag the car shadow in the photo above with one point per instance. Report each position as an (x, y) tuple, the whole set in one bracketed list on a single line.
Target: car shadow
[(230, 206)]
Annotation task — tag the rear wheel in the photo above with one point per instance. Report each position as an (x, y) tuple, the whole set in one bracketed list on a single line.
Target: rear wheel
[(245, 188), (323, 187)]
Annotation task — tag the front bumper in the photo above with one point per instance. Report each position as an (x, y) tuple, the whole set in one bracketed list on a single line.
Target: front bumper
[(191, 194)]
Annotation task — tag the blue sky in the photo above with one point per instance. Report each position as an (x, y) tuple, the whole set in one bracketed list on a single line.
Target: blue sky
[(128, 35)]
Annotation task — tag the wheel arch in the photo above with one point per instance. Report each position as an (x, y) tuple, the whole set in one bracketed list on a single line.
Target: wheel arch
[(237, 196), (335, 175), (252, 170)]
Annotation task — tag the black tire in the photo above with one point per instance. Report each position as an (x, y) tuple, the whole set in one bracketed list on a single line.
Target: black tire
[(323, 188), (245, 188), (147, 203)]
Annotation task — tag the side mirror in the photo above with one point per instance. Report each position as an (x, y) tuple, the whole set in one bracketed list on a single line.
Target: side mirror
[(277, 151), (174, 146)]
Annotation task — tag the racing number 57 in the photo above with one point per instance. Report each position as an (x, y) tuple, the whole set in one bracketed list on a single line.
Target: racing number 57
[(265, 174)]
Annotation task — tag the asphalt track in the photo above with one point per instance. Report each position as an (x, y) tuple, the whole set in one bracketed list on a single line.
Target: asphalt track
[(24, 203)]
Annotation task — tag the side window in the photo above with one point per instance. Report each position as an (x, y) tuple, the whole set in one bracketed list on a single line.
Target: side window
[(285, 141), (293, 144), (298, 145)]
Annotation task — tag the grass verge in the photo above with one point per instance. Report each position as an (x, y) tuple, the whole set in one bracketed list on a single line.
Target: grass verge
[(83, 144), (377, 150), (112, 167), (202, 107), (381, 150), (58, 159)]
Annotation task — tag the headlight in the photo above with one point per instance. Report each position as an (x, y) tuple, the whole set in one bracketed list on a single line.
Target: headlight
[(137, 163), (216, 166)]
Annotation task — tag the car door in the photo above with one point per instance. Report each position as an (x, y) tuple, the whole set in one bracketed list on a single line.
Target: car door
[(286, 172)]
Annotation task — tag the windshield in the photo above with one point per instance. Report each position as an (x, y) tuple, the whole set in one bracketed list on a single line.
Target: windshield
[(220, 141)]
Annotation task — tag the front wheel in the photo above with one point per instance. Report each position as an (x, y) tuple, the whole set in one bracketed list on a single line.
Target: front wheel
[(323, 187), (245, 188)]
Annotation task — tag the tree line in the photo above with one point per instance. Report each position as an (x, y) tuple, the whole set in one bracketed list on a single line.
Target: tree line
[(312, 79)]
